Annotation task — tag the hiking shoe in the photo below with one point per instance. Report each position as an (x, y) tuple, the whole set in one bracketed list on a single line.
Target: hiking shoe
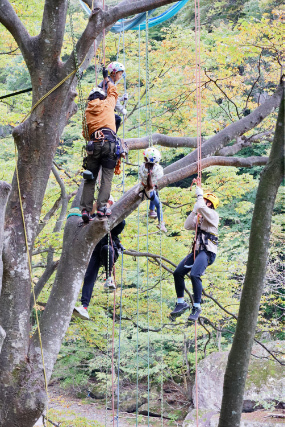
[(81, 312), (196, 311), (104, 211), (162, 227), (152, 214), (85, 216), (109, 285), (179, 309)]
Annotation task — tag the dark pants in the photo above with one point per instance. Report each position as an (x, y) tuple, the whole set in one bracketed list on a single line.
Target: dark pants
[(155, 203), (103, 155), (118, 120), (197, 268), (98, 258)]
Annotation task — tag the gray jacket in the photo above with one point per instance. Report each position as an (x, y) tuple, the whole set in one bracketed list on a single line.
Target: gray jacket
[(119, 106), (208, 222)]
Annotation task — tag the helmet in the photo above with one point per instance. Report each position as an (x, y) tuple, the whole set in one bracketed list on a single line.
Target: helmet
[(98, 90), (115, 66), (152, 155), (212, 198)]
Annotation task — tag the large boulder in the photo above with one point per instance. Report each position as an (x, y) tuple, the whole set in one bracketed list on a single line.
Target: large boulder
[(264, 385)]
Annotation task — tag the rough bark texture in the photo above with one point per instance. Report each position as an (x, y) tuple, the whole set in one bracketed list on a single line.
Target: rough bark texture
[(237, 366), (5, 189)]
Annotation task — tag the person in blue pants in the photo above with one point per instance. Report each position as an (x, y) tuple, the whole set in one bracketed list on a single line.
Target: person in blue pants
[(155, 204), (205, 252)]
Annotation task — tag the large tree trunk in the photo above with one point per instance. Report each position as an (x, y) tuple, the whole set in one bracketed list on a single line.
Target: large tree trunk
[(5, 189), (237, 366)]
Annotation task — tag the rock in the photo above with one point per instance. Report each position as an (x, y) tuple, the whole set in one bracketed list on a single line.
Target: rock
[(264, 385), (97, 392), (177, 412), (128, 401)]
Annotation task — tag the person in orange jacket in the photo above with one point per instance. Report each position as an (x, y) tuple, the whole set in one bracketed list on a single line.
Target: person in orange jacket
[(101, 148)]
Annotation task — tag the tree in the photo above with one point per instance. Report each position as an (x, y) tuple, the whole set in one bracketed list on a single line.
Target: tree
[(237, 366), (22, 388)]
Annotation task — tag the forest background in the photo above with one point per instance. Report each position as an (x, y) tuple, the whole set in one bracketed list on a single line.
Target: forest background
[(241, 60)]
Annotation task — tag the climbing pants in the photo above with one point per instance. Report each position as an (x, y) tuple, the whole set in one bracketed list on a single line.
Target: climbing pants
[(155, 203), (197, 268), (98, 258), (103, 155)]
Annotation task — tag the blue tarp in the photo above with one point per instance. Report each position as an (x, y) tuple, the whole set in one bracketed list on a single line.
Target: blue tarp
[(139, 20)]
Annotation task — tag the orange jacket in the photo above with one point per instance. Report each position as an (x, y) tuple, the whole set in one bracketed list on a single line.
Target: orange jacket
[(100, 114)]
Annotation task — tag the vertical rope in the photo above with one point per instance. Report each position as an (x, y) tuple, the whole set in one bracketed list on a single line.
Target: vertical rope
[(196, 376), (199, 154), (81, 101), (148, 111), (138, 240), (161, 316), (107, 357)]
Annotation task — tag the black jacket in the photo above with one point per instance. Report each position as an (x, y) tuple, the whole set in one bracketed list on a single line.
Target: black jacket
[(115, 239)]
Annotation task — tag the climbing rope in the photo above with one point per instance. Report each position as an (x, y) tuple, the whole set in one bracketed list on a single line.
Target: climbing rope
[(199, 159)]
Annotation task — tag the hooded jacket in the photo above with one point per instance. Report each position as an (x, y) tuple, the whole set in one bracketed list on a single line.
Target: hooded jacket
[(118, 107), (100, 114), (208, 222)]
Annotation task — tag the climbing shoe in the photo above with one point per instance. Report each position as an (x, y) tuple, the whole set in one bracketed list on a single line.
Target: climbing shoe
[(109, 285), (179, 309), (196, 311), (104, 211), (81, 312), (162, 227), (152, 214), (85, 216)]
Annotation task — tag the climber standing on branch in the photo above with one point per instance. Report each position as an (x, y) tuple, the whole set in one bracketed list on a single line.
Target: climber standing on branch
[(205, 219)]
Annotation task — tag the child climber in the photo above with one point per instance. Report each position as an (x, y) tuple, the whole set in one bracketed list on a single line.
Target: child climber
[(106, 253), (150, 172), (205, 247), (116, 71), (101, 148)]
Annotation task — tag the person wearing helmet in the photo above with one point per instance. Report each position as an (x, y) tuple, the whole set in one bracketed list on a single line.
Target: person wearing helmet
[(101, 148), (150, 172), (116, 71), (205, 248), (105, 254)]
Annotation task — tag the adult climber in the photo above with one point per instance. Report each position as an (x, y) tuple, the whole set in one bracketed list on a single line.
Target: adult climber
[(116, 71), (101, 148), (105, 254), (205, 217)]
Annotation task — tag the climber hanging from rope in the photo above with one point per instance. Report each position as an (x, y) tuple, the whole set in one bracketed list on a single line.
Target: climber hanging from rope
[(205, 220), (108, 247), (103, 149), (150, 172), (116, 72)]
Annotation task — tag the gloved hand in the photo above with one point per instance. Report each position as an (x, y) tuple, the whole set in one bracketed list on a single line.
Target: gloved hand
[(120, 248), (105, 73), (199, 191), (124, 112), (195, 207), (126, 96)]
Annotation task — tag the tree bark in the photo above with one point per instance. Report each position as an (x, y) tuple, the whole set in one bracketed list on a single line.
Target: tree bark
[(237, 366), (5, 189)]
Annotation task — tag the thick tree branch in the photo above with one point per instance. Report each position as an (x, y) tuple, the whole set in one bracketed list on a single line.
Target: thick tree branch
[(11, 21), (218, 141), (52, 32), (160, 139)]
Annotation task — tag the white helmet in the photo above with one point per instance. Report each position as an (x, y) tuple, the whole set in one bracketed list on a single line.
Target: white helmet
[(115, 66), (152, 155), (98, 90)]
